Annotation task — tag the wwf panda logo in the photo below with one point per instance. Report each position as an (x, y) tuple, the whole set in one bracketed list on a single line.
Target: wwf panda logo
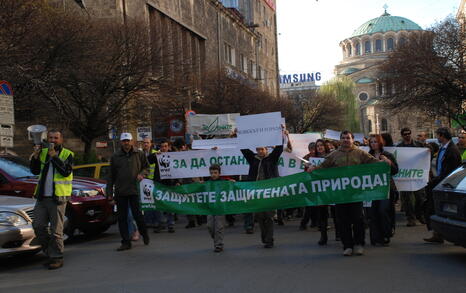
[(164, 161), (147, 190)]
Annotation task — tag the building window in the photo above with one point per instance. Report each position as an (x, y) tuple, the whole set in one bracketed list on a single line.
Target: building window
[(369, 125), (252, 69), (363, 97), (358, 49), (402, 41), (378, 89), (349, 50), (229, 54), (367, 47), (378, 45), (390, 44), (243, 63), (384, 125), (230, 3)]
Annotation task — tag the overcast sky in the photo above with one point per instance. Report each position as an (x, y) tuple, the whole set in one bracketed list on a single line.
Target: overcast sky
[(310, 31)]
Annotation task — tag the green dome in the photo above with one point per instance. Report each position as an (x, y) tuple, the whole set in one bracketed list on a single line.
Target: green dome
[(386, 23)]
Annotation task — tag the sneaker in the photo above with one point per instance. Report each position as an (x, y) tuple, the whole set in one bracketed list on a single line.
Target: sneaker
[(124, 246), (358, 250), (435, 239), (268, 245), (348, 252), (55, 264), (421, 220), (249, 231), (171, 230), (280, 223), (157, 229), (218, 249)]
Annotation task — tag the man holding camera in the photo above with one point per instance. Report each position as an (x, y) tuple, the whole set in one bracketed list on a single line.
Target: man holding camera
[(54, 165)]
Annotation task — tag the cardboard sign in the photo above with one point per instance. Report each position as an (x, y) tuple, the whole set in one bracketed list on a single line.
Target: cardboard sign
[(259, 130)]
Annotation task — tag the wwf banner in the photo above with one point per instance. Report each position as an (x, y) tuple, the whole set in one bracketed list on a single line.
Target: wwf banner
[(321, 187)]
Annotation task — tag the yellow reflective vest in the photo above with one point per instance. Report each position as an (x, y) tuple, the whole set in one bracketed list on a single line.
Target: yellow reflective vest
[(63, 186), (152, 166)]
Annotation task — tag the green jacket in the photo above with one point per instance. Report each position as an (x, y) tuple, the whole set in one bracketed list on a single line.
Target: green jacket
[(124, 170)]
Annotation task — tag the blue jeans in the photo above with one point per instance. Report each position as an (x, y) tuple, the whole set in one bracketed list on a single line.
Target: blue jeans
[(159, 218)]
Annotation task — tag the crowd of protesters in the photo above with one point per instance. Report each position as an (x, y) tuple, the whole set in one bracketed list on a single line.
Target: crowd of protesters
[(131, 164)]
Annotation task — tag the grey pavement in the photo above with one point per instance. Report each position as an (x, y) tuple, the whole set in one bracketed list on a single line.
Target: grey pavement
[(185, 262)]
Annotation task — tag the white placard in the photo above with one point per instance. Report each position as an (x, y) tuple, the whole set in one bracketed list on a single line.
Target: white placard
[(217, 124), (6, 141), (6, 130), (208, 144), (259, 130), (300, 142), (359, 137), (332, 134), (7, 115), (144, 132)]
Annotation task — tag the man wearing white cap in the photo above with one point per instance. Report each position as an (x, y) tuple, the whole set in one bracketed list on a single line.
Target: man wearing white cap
[(128, 166)]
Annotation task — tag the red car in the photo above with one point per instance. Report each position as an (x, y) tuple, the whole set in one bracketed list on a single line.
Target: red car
[(88, 208)]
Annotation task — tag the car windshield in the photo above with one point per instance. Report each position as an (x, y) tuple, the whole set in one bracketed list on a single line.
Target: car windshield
[(456, 180), (15, 167)]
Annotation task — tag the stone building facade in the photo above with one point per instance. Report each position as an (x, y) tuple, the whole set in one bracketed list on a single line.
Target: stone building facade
[(191, 37), (368, 47)]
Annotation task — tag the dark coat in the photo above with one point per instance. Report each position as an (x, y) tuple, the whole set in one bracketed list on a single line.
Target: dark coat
[(450, 161), (124, 169), (269, 164)]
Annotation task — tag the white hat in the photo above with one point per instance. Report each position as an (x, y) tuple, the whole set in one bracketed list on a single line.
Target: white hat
[(126, 135)]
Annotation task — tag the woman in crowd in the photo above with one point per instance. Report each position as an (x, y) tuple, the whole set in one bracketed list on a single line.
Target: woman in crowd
[(381, 221), (322, 211)]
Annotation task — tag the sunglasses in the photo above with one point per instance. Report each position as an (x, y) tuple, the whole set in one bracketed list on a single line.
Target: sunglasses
[(406, 133)]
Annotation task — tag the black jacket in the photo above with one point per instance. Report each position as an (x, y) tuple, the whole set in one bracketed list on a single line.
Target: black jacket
[(269, 164), (65, 168), (450, 161)]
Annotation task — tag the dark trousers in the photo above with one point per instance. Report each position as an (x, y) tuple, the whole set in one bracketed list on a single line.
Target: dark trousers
[(265, 220), (413, 203), (351, 224), (310, 213), (380, 220), (123, 203), (322, 212), (429, 207)]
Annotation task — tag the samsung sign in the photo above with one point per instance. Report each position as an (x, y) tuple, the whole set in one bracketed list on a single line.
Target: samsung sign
[(300, 77)]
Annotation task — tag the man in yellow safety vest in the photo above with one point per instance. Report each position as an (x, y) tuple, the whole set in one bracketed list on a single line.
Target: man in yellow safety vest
[(54, 165)]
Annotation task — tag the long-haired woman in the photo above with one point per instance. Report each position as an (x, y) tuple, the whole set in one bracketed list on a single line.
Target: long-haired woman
[(381, 222)]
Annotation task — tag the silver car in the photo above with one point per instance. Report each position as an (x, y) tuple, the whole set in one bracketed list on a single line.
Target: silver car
[(16, 232)]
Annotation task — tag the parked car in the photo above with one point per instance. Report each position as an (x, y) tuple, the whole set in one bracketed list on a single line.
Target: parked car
[(450, 207), (16, 233), (96, 170), (88, 209)]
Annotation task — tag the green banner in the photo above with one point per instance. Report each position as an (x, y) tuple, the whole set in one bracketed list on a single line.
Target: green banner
[(321, 187)]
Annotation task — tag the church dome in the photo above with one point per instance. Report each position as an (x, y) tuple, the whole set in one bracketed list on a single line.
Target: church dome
[(386, 23)]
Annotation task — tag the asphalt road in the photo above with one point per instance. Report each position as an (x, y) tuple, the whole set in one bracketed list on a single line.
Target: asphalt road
[(185, 262)]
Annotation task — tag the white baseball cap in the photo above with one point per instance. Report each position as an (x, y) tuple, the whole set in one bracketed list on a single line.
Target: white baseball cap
[(126, 135)]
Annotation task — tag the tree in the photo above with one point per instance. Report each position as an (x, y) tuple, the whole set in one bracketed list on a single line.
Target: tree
[(221, 93), (316, 112), (428, 73), (341, 88), (90, 71)]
